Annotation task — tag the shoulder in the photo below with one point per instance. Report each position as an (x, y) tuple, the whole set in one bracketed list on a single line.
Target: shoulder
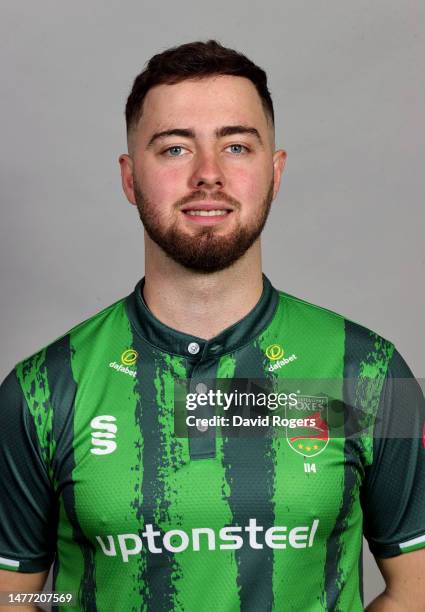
[(47, 377), (84, 332), (41, 388), (313, 317)]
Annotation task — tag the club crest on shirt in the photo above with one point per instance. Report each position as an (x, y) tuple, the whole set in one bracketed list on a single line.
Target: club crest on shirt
[(309, 440)]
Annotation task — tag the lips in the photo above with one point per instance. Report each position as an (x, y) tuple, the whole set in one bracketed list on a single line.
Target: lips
[(206, 206), (207, 213)]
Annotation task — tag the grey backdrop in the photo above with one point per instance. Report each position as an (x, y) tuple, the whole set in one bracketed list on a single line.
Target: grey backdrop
[(346, 231)]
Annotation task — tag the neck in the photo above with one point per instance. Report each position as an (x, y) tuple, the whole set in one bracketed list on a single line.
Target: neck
[(202, 305)]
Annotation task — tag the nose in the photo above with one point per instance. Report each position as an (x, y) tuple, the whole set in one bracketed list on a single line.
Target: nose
[(207, 171)]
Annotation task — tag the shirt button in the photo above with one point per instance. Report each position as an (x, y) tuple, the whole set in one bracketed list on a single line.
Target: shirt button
[(193, 348), (202, 427), (201, 388)]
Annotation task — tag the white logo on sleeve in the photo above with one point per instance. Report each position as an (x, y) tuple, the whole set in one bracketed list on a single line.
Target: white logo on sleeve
[(103, 438)]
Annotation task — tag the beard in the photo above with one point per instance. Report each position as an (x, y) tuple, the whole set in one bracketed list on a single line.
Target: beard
[(205, 250)]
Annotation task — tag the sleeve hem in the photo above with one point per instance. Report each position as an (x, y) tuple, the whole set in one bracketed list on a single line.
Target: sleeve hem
[(30, 566), (398, 548)]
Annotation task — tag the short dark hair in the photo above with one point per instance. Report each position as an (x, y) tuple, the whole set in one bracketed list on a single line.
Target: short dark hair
[(190, 61)]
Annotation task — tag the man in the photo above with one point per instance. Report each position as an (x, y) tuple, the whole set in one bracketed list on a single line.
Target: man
[(94, 475)]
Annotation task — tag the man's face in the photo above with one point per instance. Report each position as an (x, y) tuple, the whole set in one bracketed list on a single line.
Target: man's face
[(219, 157)]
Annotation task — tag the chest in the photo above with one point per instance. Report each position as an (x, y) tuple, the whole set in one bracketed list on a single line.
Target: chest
[(131, 471)]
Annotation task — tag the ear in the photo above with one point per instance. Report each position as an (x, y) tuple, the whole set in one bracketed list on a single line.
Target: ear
[(127, 180), (279, 160)]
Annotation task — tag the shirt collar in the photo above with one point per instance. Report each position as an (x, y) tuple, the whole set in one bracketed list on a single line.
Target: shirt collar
[(175, 342)]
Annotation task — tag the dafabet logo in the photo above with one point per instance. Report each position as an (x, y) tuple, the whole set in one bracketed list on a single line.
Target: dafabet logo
[(128, 358), (275, 353)]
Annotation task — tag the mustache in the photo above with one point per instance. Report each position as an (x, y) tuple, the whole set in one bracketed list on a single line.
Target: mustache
[(199, 195)]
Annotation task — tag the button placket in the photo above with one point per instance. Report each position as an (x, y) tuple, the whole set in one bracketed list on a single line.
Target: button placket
[(201, 438)]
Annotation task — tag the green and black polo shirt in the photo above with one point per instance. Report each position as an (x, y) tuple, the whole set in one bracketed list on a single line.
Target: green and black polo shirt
[(95, 480)]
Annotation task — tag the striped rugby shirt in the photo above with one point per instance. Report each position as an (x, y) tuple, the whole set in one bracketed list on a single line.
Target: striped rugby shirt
[(133, 517)]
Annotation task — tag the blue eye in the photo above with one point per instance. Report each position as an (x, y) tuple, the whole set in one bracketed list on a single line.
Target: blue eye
[(240, 146), (173, 149)]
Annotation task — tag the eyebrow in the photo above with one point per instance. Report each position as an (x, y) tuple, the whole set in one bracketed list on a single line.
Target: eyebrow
[(226, 130)]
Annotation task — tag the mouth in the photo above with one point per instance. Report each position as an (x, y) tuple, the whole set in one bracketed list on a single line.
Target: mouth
[(207, 213)]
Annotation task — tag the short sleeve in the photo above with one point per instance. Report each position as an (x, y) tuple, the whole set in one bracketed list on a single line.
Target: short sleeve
[(27, 521), (393, 492)]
